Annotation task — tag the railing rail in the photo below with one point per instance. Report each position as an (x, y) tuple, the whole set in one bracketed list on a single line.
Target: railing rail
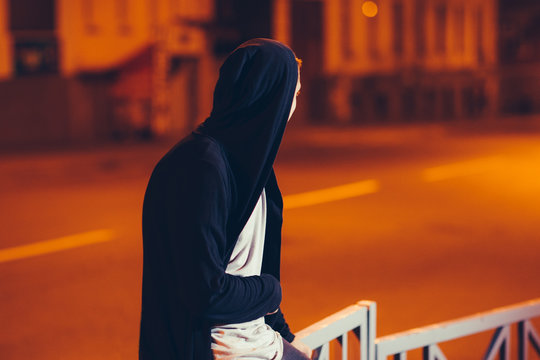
[(428, 337), (360, 318)]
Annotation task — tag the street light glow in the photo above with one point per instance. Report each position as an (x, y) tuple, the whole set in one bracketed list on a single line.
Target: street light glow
[(370, 8)]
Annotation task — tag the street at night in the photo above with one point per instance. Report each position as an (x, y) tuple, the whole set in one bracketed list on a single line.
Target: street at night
[(448, 226), (409, 169)]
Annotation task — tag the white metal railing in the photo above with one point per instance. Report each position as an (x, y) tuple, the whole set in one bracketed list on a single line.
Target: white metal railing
[(360, 318), (500, 319)]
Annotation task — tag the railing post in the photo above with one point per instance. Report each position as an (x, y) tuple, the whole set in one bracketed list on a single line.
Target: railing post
[(433, 352), (370, 332), (523, 349), (500, 342), (526, 334), (325, 352), (358, 318), (344, 346)]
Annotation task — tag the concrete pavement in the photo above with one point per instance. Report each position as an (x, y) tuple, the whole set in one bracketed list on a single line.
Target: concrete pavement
[(127, 160)]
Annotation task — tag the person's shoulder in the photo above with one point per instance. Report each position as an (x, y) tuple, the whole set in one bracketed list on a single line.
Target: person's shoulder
[(200, 148), (196, 152)]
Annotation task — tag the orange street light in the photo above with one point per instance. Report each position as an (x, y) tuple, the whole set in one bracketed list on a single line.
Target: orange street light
[(370, 8)]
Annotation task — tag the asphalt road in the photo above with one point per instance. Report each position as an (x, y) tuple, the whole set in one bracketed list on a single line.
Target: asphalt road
[(450, 227)]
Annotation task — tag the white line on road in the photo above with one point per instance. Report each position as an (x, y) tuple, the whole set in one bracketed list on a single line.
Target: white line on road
[(304, 199), (330, 194), (54, 245), (459, 169)]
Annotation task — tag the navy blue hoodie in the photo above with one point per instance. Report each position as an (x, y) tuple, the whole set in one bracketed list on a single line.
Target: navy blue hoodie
[(199, 198)]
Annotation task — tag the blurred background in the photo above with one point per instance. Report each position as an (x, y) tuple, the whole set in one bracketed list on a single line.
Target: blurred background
[(431, 108), (100, 70)]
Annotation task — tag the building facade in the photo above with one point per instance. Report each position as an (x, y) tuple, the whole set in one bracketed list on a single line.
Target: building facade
[(519, 54), (81, 70), (99, 68), (401, 60)]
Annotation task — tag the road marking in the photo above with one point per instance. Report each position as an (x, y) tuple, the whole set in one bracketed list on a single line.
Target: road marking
[(330, 194), (294, 201), (460, 169), (54, 245)]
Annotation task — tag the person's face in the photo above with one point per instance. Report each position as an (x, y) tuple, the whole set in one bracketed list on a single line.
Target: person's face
[(296, 92)]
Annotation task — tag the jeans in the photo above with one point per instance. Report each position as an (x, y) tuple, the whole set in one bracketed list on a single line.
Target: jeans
[(291, 353)]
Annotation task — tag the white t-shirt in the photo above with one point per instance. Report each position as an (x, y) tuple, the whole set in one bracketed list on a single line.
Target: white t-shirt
[(253, 339)]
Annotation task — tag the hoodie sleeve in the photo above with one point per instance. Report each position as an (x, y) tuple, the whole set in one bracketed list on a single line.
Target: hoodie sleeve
[(272, 250), (278, 323), (198, 214)]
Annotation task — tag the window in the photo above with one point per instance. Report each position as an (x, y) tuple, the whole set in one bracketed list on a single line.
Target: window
[(398, 29), (122, 14), (174, 6), (88, 16), (346, 29), (35, 47), (480, 35), (420, 28), (440, 28), (459, 29), (373, 37)]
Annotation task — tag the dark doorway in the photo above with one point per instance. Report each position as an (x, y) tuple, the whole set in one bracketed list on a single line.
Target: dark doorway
[(33, 26), (240, 20), (307, 43)]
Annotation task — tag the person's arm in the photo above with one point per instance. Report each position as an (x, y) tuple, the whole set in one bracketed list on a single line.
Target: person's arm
[(278, 323), (199, 243)]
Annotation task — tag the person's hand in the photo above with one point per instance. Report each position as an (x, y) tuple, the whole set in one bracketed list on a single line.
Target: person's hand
[(303, 348)]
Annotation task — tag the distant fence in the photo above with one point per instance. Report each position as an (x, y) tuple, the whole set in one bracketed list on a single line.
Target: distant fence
[(359, 320)]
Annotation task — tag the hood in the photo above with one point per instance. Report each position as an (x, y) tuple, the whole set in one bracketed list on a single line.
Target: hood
[(252, 101)]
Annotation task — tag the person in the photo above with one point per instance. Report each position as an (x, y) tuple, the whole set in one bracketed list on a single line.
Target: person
[(212, 217)]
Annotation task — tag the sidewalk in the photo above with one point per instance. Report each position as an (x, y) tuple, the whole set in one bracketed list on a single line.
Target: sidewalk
[(136, 160), (81, 165)]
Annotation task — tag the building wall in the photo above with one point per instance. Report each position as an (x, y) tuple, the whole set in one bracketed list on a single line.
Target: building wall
[(34, 111), (431, 34), (281, 25), (95, 35), (96, 39), (99, 34), (414, 60), (5, 42)]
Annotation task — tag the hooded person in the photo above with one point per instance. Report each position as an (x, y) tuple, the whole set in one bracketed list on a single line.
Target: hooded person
[(212, 217)]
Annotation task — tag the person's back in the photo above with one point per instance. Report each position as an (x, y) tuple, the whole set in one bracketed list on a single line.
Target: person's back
[(164, 334), (212, 219)]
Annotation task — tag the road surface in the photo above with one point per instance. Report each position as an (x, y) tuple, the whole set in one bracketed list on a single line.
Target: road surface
[(430, 223)]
